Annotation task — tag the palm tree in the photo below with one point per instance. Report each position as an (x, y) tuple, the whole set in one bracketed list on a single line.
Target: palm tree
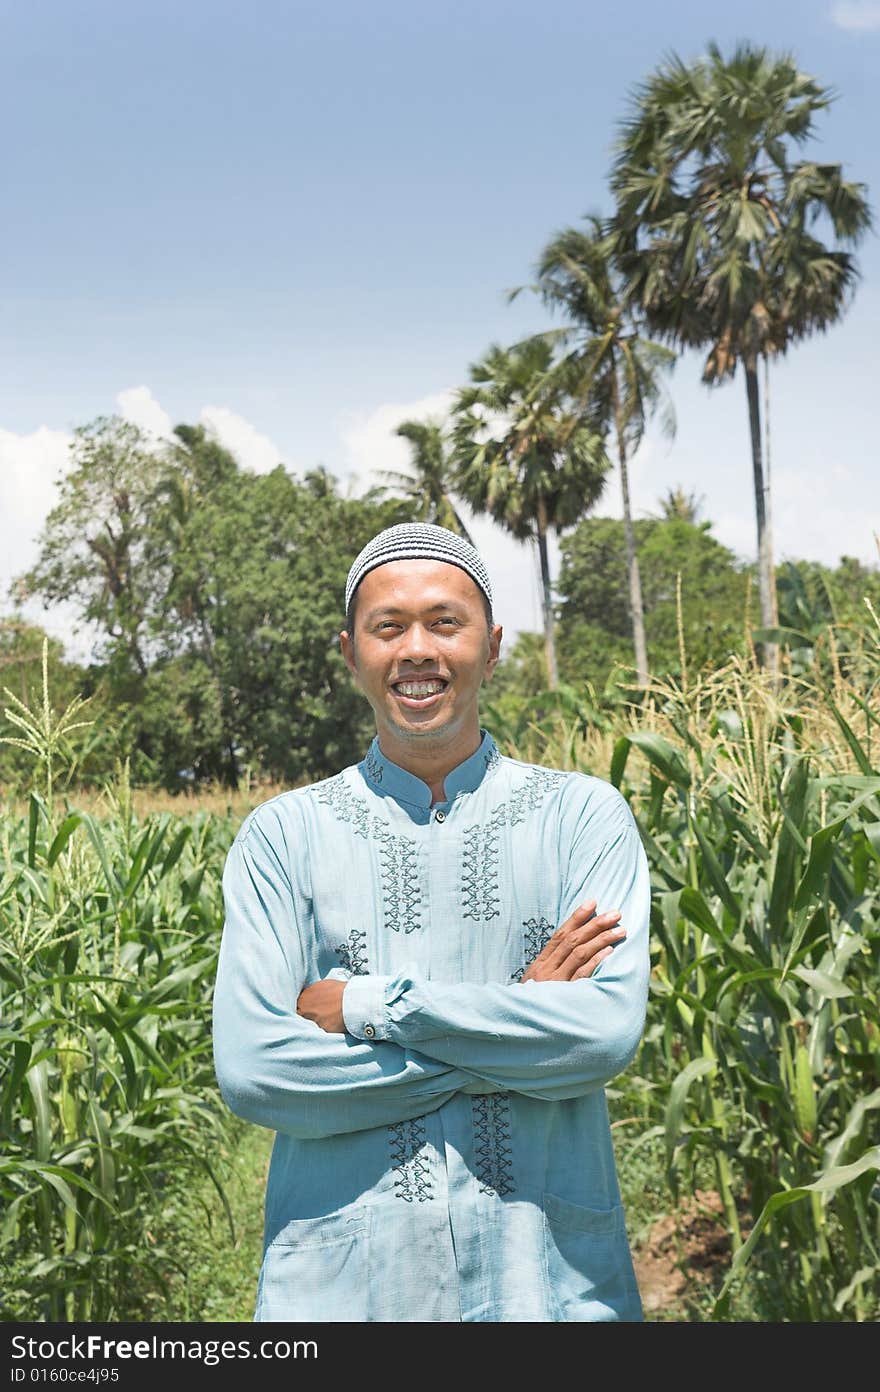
[(716, 226), (612, 367), (427, 489), (678, 506), (527, 453)]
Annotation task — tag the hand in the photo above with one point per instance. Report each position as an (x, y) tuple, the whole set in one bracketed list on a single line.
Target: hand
[(576, 949), (322, 1004)]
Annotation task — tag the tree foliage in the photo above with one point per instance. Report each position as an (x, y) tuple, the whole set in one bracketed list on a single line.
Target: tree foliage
[(594, 626), (219, 596), (610, 364), (428, 490), (527, 452), (726, 241)]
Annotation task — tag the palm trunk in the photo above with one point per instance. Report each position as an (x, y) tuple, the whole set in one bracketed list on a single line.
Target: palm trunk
[(546, 597), (766, 579), (461, 527), (767, 473), (632, 564)]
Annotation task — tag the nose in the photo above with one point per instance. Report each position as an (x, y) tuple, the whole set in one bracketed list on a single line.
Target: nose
[(418, 644)]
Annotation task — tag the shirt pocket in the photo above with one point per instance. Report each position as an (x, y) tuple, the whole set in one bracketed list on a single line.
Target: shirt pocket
[(317, 1269), (589, 1266)]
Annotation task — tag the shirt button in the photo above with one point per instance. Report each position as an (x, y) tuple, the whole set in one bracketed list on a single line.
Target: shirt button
[(370, 1031), (439, 816)]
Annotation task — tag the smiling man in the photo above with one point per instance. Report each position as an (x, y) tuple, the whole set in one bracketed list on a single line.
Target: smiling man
[(432, 964)]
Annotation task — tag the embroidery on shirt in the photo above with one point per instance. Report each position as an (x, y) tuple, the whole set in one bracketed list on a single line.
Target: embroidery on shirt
[(536, 936), (492, 759), (480, 899), (401, 889), (353, 953), (492, 1149), (529, 796), (407, 1139), (482, 843), (373, 767), (345, 805)]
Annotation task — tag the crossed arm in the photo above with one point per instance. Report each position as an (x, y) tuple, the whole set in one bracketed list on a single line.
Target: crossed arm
[(410, 1044), (575, 951)]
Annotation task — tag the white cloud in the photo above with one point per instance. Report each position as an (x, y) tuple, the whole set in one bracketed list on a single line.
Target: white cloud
[(253, 451), (138, 405), (856, 14), (371, 445), (30, 467)]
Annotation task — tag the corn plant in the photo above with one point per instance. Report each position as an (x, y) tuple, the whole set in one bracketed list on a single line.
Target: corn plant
[(109, 928), (763, 1046)]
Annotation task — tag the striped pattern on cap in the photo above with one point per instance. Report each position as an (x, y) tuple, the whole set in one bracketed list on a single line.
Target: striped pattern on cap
[(417, 541)]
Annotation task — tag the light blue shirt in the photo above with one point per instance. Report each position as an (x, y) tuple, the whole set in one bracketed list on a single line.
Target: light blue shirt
[(449, 1157)]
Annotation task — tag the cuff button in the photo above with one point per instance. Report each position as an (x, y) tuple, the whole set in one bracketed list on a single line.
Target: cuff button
[(369, 1031)]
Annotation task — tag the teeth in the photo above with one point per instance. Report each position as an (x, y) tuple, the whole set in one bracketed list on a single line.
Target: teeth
[(418, 689)]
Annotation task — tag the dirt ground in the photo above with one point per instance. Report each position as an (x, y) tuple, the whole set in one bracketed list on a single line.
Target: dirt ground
[(683, 1258)]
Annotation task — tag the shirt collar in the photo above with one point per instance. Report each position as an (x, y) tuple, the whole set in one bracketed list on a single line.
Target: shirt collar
[(466, 777)]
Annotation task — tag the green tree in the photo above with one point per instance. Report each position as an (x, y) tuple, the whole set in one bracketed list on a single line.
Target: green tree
[(527, 453), (428, 489), (220, 595), (94, 550), (594, 626), (678, 506), (250, 673), (611, 366), (716, 226), (195, 467)]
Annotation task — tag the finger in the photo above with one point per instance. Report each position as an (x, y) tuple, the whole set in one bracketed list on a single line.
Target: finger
[(597, 926), (555, 949), (589, 967), (582, 914), (588, 951), (584, 925)]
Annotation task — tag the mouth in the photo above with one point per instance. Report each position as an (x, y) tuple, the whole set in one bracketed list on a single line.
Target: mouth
[(419, 694)]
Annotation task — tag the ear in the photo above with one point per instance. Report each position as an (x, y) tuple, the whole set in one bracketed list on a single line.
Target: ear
[(494, 651), (346, 643)]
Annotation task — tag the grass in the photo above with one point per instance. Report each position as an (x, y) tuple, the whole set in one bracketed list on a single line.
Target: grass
[(234, 803), (680, 1246), (210, 1257)]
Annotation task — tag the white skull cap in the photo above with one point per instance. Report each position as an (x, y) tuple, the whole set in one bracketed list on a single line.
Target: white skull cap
[(416, 541)]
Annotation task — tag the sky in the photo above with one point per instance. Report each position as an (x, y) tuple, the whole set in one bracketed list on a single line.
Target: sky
[(297, 222)]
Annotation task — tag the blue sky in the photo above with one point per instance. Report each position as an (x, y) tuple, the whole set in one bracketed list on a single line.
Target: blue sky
[(297, 223)]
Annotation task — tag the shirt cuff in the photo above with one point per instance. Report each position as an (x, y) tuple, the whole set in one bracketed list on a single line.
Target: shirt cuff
[(363, 1007)]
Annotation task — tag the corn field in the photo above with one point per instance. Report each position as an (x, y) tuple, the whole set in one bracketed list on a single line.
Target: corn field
[(109, 928), (759, 805)]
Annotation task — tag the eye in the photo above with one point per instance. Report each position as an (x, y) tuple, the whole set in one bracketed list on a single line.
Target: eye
[(448, 619)]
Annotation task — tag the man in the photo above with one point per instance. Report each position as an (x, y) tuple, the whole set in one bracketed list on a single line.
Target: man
[(431, 965)]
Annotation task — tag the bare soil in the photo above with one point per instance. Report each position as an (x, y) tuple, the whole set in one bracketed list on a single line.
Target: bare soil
[(684, 1258)]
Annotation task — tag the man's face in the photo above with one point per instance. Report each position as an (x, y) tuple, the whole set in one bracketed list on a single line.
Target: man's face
[(421, 651)]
